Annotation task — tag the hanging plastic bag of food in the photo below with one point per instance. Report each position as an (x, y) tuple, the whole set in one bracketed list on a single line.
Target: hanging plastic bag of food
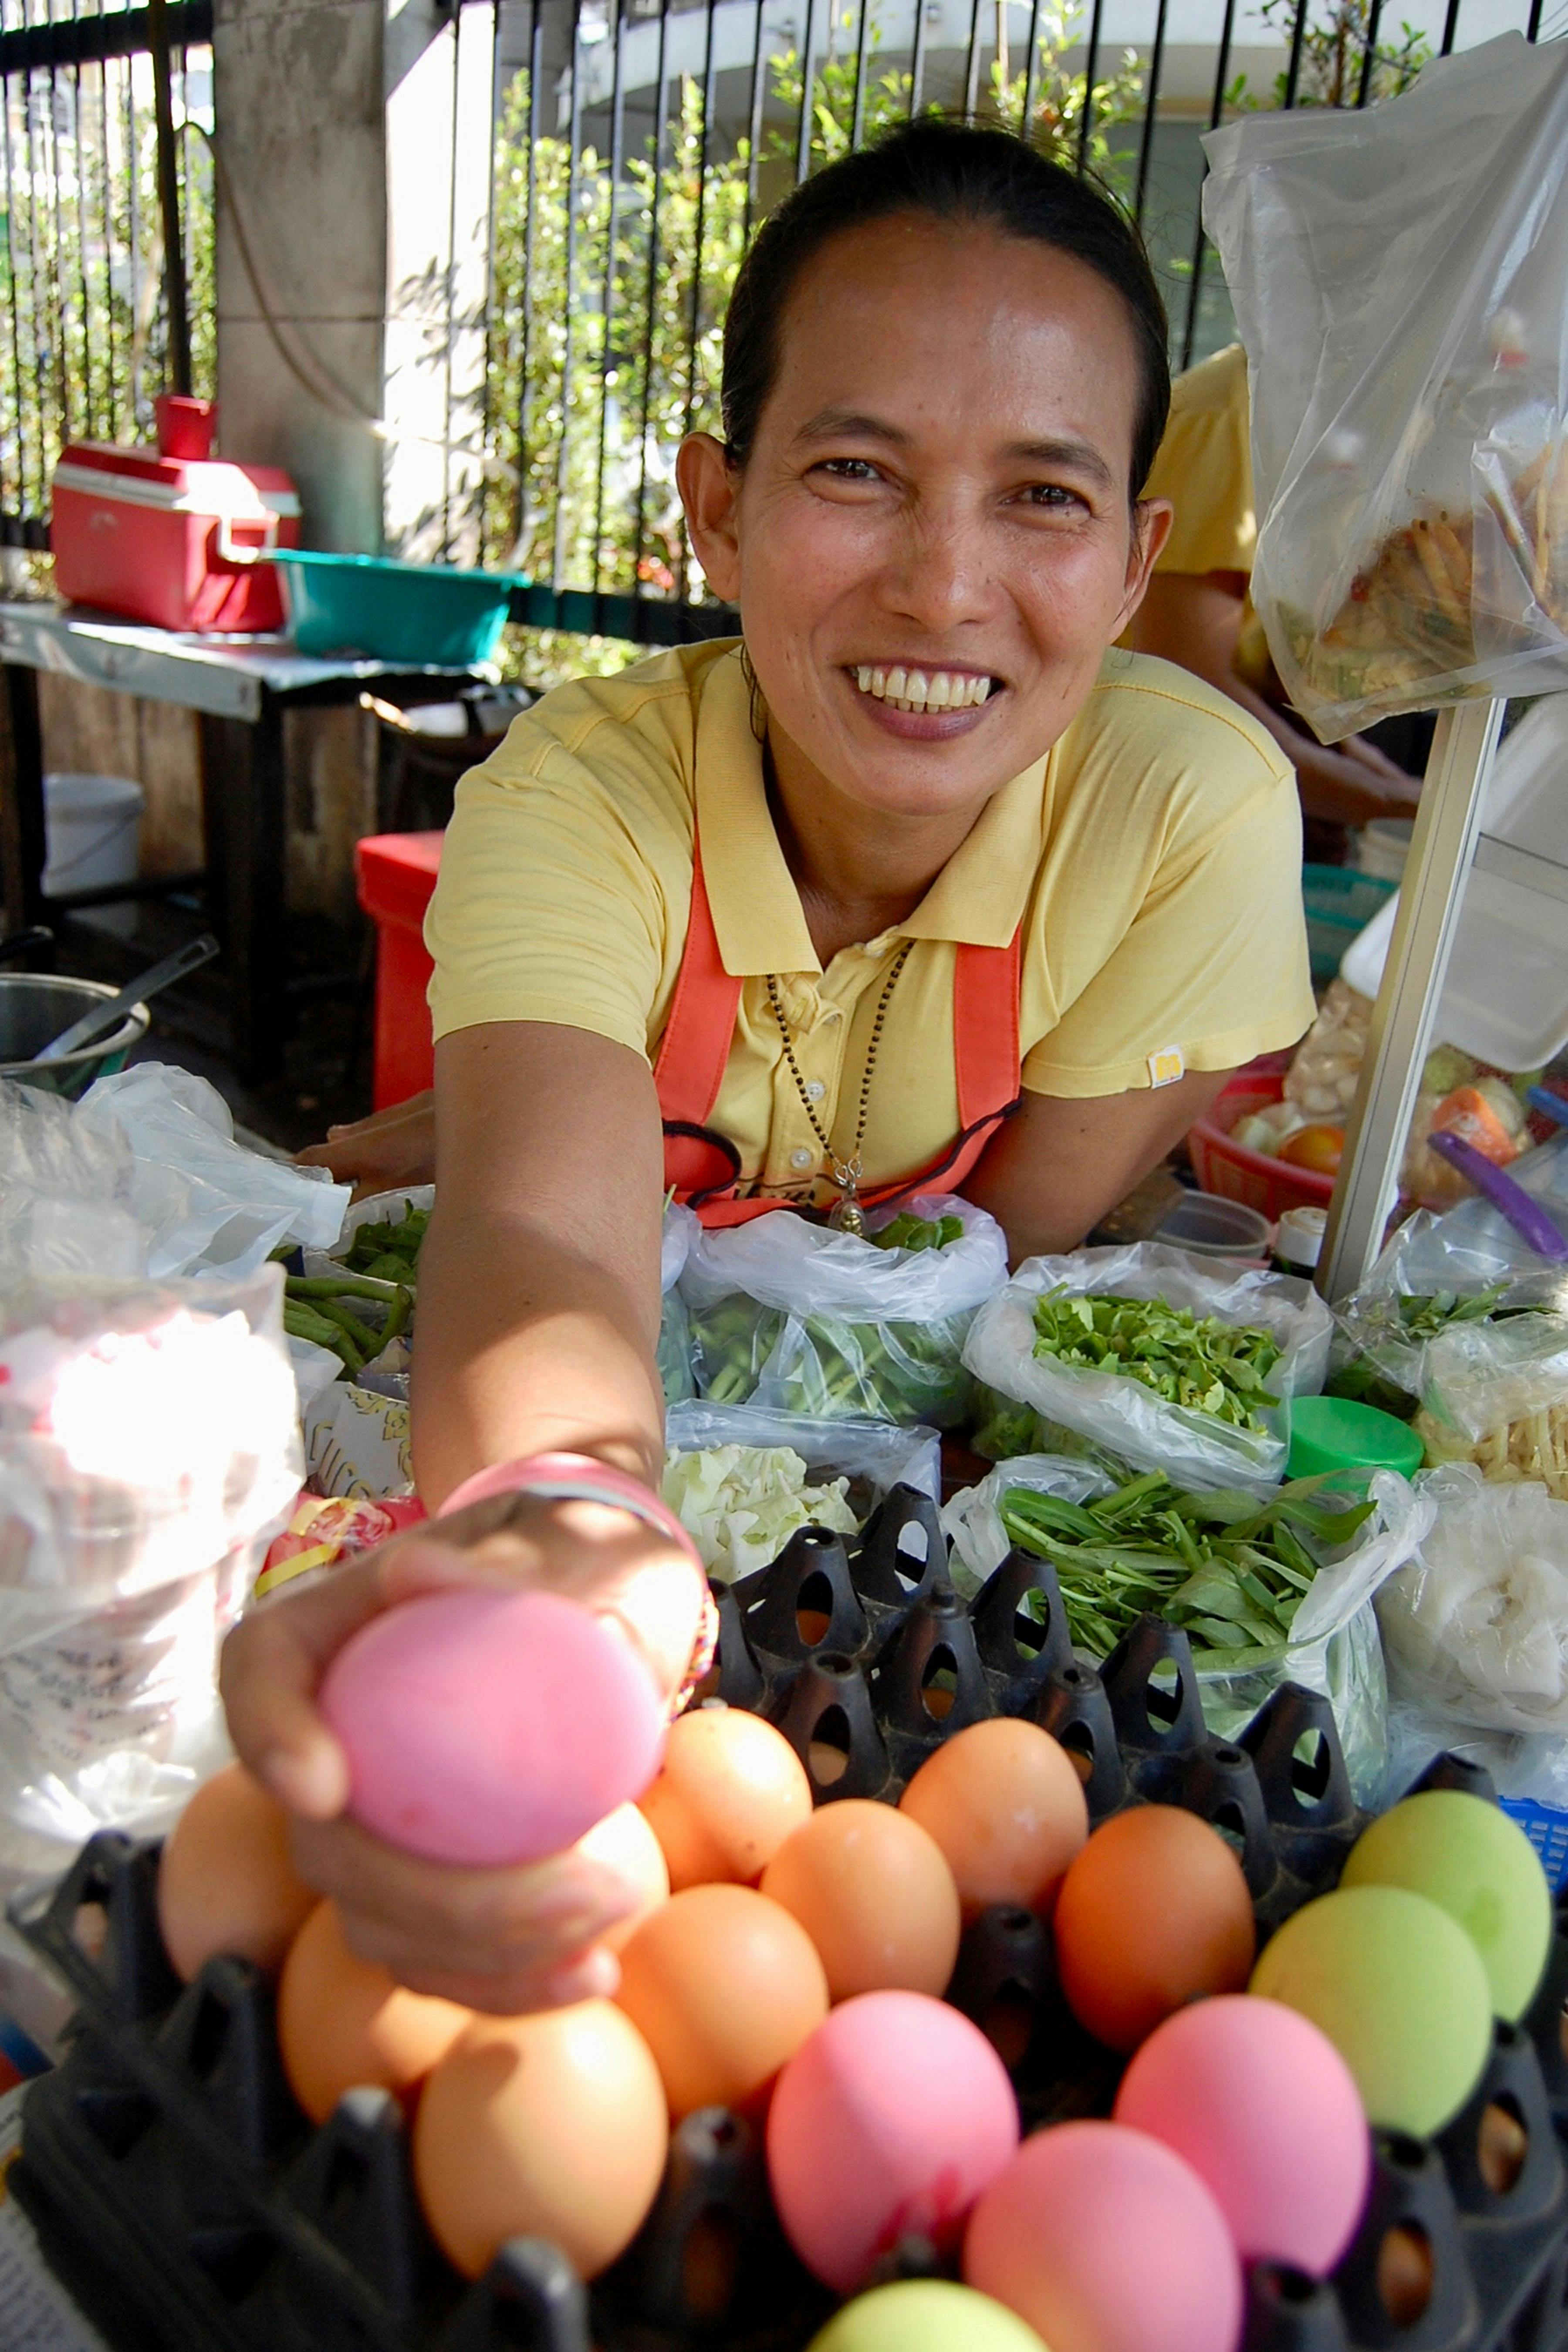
[(798, 1317), (1399, 277), (1157, 1359)]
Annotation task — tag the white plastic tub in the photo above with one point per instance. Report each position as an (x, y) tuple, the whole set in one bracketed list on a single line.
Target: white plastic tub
[(92, 831)]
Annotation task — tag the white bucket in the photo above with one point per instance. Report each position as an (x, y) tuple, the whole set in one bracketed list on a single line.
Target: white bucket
[(93, 826)]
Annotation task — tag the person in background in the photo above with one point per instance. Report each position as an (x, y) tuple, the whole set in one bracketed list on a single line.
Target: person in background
[(1198, 609)]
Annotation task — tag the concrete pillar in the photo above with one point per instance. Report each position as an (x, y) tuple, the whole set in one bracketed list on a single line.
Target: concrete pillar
[(301, 256), (439, 85)]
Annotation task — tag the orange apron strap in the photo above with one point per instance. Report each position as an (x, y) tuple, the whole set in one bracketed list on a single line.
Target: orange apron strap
[(986, 1030), (689, 1068)]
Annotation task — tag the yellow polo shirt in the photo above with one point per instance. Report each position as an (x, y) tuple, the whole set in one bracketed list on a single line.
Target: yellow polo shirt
[(1152, 858), (1203, 466)]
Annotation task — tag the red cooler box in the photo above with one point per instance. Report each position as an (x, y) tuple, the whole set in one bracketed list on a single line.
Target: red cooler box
[(397, 875), (172, 541)]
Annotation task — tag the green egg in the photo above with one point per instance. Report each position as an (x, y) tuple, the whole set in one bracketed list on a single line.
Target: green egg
[(1400, 1991), (925, 2316), (1476, 1864)]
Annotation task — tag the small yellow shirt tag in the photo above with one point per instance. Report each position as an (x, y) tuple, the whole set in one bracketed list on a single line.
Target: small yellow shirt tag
[(1166, 1067)]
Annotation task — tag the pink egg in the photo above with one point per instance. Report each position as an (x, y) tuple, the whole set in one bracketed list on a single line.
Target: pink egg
[(1106, 2242), (890, 2120), (491, 1728), (1266, 2111)]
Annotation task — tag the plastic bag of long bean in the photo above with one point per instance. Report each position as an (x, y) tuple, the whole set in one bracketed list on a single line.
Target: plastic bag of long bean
[(794, 1316)]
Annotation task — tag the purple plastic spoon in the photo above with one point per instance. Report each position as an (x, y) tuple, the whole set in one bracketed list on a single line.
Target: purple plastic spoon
[(1524, 1213)]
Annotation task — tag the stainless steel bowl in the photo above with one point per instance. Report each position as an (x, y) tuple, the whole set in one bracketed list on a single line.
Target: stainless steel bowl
[(36, 1006)]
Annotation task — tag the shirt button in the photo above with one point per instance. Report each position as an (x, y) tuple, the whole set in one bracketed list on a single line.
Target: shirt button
[(801, 1158), (814, 1090)]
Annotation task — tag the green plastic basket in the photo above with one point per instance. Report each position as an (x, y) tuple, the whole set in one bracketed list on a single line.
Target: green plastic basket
[(423, 614), (1340, 903)]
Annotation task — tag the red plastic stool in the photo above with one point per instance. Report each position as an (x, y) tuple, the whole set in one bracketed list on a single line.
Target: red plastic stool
[(396, 873)]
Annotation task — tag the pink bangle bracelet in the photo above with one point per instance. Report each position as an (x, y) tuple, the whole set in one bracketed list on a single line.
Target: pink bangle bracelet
[(580, 1479)]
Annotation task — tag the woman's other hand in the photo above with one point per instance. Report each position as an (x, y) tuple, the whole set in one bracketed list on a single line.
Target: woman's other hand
[(503, 1940), (391, 1147)]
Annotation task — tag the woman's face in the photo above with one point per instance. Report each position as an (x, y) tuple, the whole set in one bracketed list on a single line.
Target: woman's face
[(931, 543)]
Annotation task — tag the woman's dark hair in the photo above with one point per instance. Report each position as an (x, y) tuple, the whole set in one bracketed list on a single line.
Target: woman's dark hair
[(953, 172)]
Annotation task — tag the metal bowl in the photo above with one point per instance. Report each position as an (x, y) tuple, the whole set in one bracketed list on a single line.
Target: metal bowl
[(36, 1006)]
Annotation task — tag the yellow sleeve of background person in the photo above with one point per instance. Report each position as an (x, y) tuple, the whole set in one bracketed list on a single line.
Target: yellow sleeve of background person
[(1203, 466), (1152, 859)]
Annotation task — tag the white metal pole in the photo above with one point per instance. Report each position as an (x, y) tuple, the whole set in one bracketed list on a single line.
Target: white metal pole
[(1441, 849)]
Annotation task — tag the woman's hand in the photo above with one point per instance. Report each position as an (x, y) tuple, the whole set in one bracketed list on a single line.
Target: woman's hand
[(377, 1154), (504, 1940)]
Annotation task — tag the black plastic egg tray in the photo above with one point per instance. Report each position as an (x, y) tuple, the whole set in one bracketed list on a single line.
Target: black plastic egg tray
[(189, 2205)]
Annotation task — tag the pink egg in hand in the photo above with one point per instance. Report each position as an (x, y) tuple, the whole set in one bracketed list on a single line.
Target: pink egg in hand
[(1104, 2241), (888, 2121), (1266, 2111), (491, 1728)]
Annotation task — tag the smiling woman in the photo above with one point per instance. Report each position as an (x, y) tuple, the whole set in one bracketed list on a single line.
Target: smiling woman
[(924, 880)]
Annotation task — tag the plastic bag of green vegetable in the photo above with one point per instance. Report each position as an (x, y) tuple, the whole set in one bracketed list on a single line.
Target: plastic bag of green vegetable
[(1192, 1376), (738, 1505), (800, 1318), (1437, 1277), (1266, 1591)]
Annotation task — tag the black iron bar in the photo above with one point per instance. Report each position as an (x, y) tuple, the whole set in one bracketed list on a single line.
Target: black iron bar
[(1369, 56), (1152, 113), (179, 328), (1533, 30), (607, 299), (971, 61), (802, 128), (1298, 42), (536, 60), (1200, 243), (15, 311), (1031, 68), (81, 186), (487, 419), (448, 375), (1086, 113), (1450, 26), (125, 34), (652, 297), (107, 189), (61, 331), (754, 122), (558, 541), (918, 60), (862, 53), (43, 330), (698, 231)]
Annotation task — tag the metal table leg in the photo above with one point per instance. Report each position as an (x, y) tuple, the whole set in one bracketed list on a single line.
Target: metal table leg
[(242, 791), (22, 845)]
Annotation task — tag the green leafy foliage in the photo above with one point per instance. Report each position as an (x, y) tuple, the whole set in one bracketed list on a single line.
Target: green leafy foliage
[(1211, 1367), (1226, 1568)]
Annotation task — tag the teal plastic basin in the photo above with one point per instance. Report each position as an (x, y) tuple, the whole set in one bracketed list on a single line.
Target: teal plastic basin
[(418, 613), (1340, 903)]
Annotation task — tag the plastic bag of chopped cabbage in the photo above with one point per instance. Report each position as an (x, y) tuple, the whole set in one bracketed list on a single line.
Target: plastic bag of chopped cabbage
[(742, 1479)]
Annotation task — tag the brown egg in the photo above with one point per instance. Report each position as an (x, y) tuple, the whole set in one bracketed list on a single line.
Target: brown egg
[(342, 2021), (1004, 1802), (725, 1986), (1153, 1913), (625, 1843), (874, 1893), (552, 2126), (225, 1883), (728, 1794)]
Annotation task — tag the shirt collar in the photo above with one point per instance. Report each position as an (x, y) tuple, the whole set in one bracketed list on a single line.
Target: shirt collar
[(978, 899)]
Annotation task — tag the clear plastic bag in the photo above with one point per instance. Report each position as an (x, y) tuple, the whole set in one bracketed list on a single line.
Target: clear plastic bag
[(797, 1318), (1398, 276), (681, 1228), (1475, 1627), (871, 1456), (1431, 1268), (212, 1207), (148, 1452), (1334, 1646), (1118, 1412)]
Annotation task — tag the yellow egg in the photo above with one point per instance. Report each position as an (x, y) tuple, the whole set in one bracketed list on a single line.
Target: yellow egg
[(873, 1890), (225, 1883), (729, 1792), (1004, 1802), (342, 2020), (725, 1986), (552, 2126)]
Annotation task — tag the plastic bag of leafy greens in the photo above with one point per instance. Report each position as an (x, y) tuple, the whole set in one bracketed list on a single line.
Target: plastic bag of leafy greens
[(1333, 1646), (797, 1318), (1438, 1275), (674, 1356), (743, 1479), (1207, 1408)]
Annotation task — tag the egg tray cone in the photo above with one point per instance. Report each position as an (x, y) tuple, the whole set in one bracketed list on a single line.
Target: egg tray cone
[(185, 2199)]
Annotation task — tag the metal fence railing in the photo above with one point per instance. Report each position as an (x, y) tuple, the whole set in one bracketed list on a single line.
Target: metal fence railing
[(636, 142), (94, 320)]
